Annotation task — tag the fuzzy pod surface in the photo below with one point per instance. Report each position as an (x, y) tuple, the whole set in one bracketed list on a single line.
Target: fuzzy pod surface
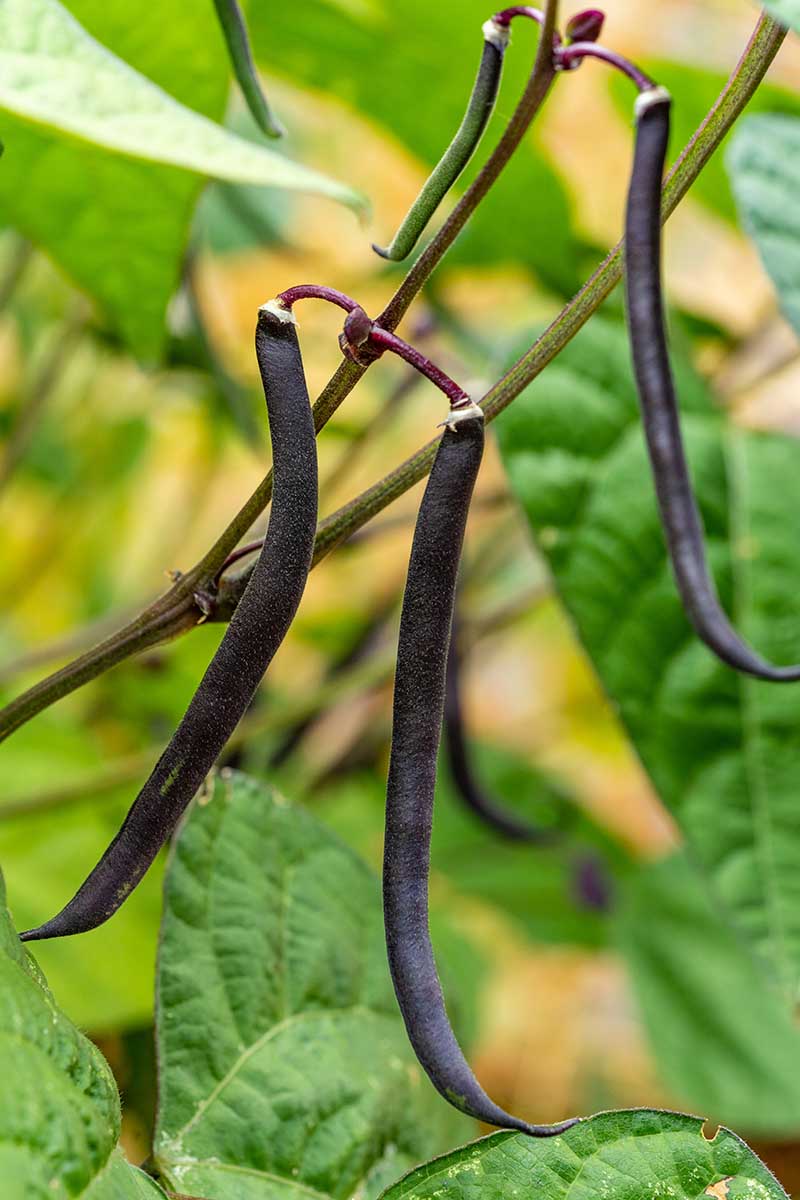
[(257, 628), (416, 729), (680, 517), (461, 149)]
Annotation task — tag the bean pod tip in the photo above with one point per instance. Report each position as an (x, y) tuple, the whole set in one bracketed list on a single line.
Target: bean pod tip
[(468, 411), (276, 308), (496, 34), (650, 98)]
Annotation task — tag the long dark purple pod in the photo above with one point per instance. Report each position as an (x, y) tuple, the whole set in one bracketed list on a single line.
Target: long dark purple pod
[(418, 706), (680, 517), (257, 628), (465, 779)]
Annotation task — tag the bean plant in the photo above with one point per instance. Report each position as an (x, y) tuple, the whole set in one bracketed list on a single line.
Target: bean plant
[(313, 1028)]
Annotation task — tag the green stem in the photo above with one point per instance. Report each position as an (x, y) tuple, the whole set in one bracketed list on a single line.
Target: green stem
[(751, 69), (65, 343), (361, 677), (182, 607), (177, 610)]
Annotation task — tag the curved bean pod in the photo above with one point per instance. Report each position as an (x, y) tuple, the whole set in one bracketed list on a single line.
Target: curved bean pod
[(680, 517), (460, 151), (469, 789), (234, 30), (417, 717), (257, 628)]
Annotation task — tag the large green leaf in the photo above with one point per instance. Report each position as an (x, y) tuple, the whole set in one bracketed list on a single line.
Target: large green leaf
[(77, 122), (636, 1155), (720, 748), (284, 1066), (375, 58), (60, 1114), (787, 11), (54, 74), (763, 164), (724, 1042)]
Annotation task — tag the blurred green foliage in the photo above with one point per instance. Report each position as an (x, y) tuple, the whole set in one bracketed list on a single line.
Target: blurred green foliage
[(123, 475)]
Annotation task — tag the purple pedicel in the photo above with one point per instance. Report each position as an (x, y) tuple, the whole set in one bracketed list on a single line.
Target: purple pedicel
[(517, 10), (315, 291), (363, 341), (236, 555), (383, 340), (507, 15), (569, 57), (585, 26)]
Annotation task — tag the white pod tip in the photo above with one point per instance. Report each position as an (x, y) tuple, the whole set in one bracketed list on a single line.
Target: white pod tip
[(468, 411), (650, 99), (496, 35), (276, 308)]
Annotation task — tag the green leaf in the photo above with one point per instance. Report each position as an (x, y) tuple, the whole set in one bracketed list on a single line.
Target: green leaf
[(720, 748), (46, 856), (120, 1181), (636, 1155), (786, 11), (55, 74), (284, 1066), (723, 1039), (367, 56), (78, 125), (60, 1114), (762, 162)]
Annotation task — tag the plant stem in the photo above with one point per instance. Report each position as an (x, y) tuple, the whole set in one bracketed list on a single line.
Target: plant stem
[(537, 87), (17, 265), (65, 343), (753, 65), (569, 57), (177, 611), (357, 677)]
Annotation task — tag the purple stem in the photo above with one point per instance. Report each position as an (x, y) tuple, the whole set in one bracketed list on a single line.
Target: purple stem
[(507, 15), (236, 555), (569, 57), (315, 291), (517, 10), (361, 334), (383, 340)]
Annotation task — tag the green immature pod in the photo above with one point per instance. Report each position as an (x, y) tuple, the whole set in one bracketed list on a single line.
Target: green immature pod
[(418, 706), (235, 32), (460, 151), (683, 528), (259, 625)]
